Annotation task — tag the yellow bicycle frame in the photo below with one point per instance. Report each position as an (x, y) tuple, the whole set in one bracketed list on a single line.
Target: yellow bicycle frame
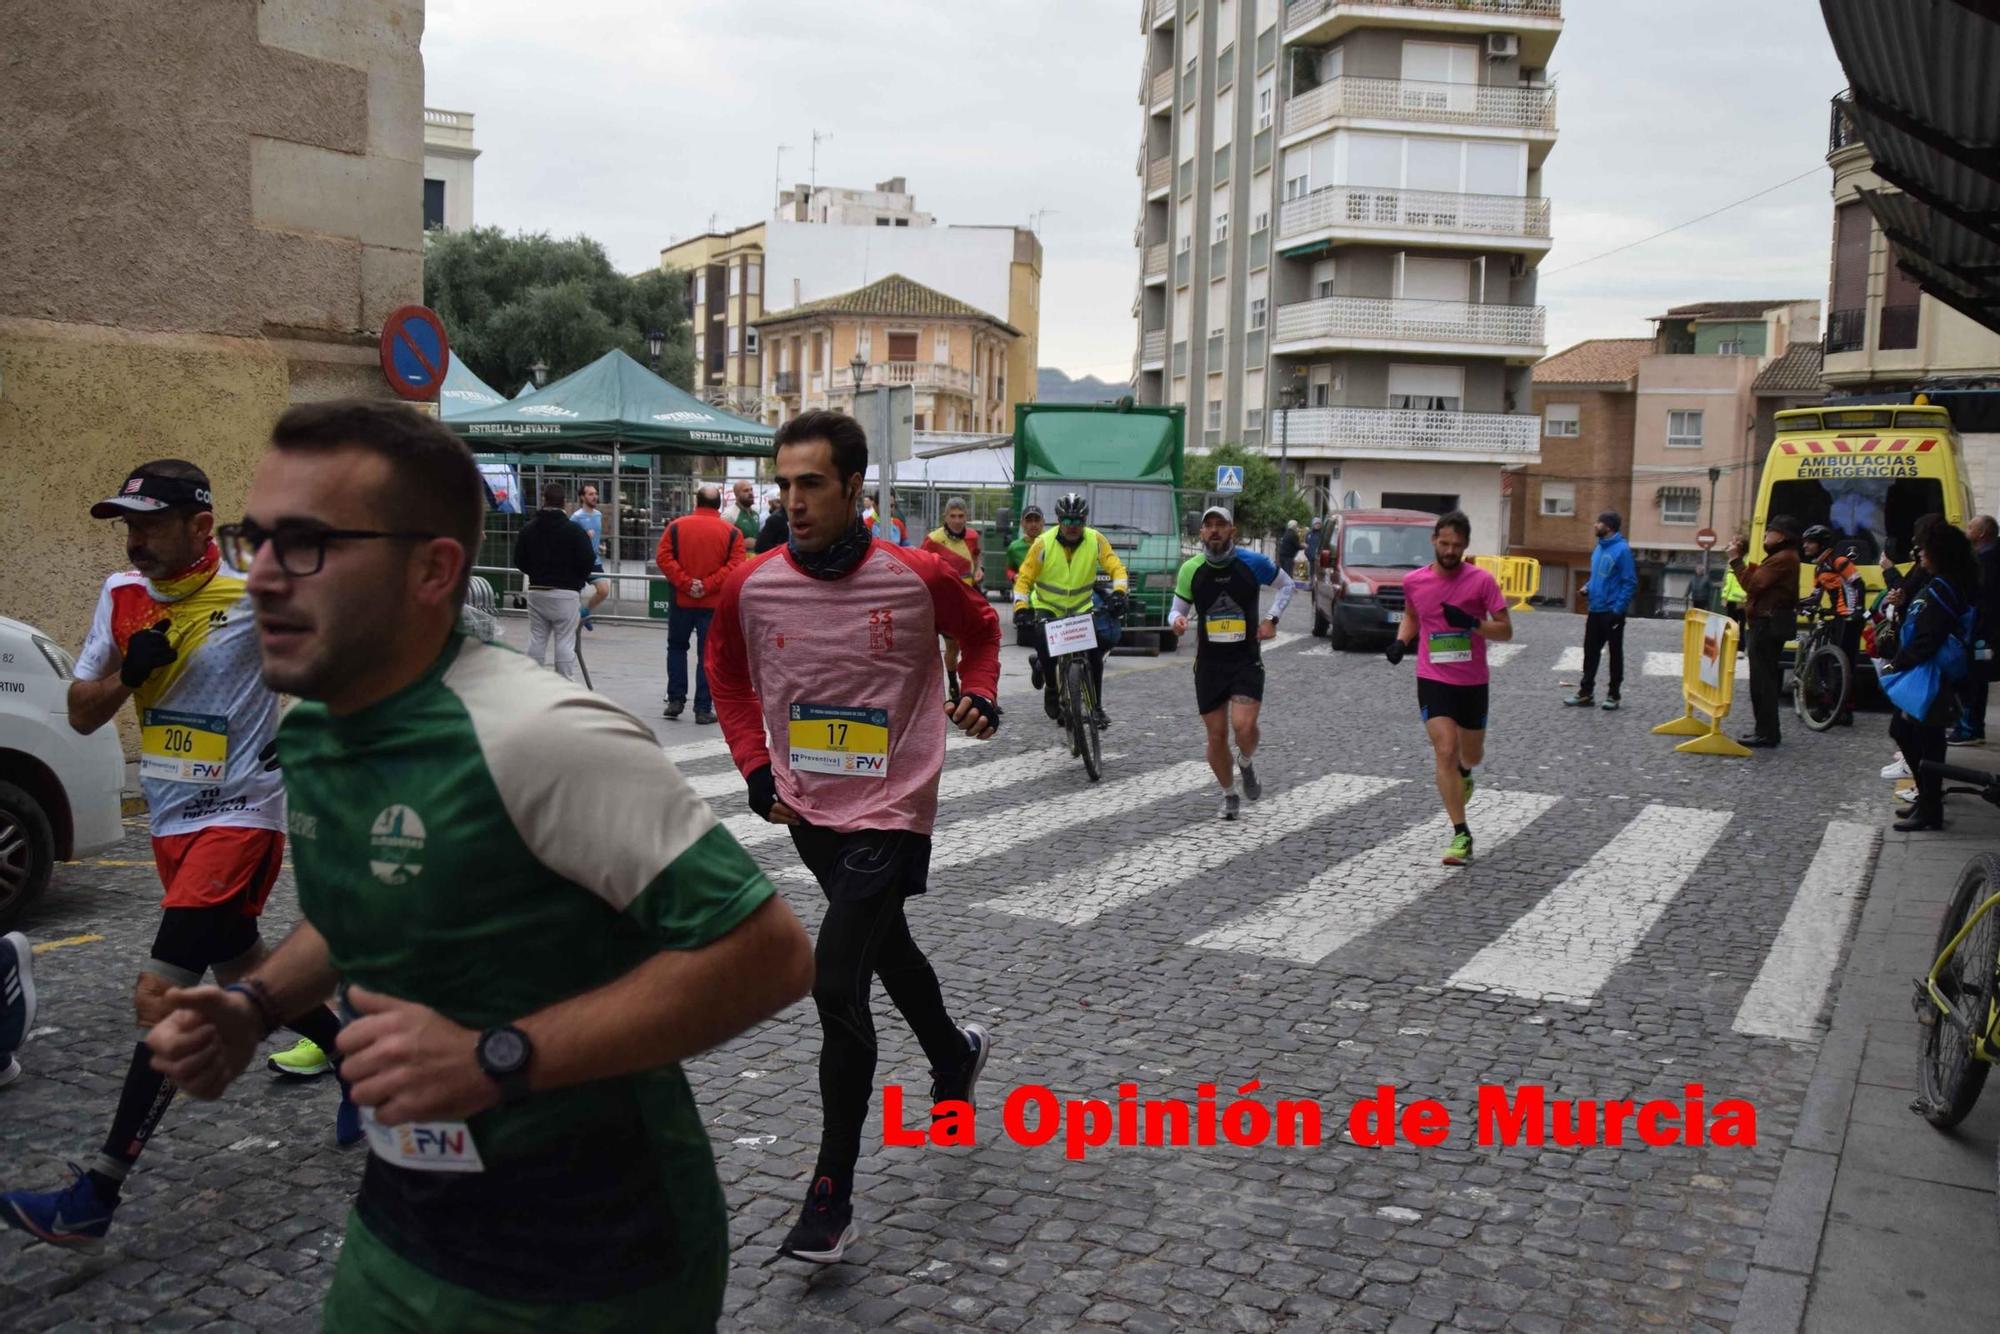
[(1983, 1048)]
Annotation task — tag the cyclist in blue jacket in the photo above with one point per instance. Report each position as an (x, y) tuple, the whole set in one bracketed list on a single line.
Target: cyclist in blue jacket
[(1613, 581)]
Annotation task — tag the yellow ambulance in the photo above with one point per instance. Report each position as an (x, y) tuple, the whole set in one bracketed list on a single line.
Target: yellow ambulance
[(1868, 473)]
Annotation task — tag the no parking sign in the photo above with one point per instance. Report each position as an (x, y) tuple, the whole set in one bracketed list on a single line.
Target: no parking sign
[(415, 353)]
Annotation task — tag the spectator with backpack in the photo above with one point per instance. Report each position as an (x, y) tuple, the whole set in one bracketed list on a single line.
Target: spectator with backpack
[(1928, 651)]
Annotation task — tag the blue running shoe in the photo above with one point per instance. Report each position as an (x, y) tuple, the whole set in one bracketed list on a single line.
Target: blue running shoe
[(17, 991), (76, 1217), (347, 1131)]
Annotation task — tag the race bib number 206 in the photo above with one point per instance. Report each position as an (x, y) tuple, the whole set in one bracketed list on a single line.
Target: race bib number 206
[(183, 747)]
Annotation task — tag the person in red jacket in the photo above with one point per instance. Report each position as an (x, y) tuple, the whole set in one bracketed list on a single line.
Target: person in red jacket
[(697, 554), (825, 669), (956, 543)]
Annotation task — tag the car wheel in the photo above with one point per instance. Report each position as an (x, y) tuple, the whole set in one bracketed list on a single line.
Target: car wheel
[(1336, 637), (27, 853)]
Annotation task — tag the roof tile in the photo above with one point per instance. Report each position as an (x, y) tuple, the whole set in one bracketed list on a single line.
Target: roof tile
[(1594, 361), (893, 295), (1797, 372)]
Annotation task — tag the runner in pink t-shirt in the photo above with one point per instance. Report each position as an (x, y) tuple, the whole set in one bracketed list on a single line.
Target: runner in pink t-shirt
[(1452, 607)]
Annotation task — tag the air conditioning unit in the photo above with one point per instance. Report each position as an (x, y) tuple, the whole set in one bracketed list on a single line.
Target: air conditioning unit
[(1503, 46)]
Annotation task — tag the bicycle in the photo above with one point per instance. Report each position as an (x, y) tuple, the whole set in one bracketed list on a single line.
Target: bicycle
[(1822, 677), (1069, 641), (1958, 1000)]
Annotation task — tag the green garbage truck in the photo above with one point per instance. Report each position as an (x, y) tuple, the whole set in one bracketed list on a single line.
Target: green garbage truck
[(1128, 461)]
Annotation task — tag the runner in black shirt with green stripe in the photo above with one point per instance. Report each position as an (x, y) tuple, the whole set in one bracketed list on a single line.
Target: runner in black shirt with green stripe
[(1220, 587), (528, 912)]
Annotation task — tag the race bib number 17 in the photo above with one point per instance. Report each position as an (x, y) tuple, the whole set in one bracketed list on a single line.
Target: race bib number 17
[(832, 739)]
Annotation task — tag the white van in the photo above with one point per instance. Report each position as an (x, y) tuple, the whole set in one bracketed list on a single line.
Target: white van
[(59, 792)]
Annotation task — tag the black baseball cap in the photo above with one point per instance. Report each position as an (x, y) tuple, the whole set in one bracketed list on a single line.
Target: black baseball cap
[(1032, 512), (152, 487)]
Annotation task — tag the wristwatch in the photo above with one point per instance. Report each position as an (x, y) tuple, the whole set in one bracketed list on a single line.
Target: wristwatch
[(504, 1053)]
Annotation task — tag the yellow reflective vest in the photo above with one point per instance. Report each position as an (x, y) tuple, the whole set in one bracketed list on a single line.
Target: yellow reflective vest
[(1058, 579)]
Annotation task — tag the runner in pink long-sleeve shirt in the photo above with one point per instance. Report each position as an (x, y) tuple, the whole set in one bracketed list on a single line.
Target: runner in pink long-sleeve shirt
[(823, 662)]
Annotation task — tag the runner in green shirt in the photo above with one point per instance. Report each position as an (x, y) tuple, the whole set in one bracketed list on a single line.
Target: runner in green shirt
[(529, 914)]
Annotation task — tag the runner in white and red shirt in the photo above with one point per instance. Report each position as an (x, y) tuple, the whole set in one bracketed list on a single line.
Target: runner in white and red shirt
[(823, 662), (1452, 607)]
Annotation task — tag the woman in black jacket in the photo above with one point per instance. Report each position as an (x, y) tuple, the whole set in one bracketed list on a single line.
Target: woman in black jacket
[(776, 531), (1933, 616)]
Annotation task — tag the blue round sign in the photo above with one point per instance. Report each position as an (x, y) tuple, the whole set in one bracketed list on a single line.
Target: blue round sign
[(414, 352)]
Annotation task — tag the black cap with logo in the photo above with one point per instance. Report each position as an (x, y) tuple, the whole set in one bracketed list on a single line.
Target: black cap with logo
[(152, 487)]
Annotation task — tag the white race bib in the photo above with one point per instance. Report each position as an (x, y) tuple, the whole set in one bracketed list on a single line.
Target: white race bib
[(1071, 634), (423, 1146)]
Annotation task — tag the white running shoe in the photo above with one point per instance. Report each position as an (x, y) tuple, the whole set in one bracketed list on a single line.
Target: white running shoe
[(1899, 769)]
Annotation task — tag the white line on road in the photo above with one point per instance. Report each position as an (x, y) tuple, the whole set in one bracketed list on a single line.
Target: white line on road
[(1569, 944), (1171, 859), (1669, 664), (1569, 660), (1499, 655), (687, 752), (1785, 1000), (1345, 902)]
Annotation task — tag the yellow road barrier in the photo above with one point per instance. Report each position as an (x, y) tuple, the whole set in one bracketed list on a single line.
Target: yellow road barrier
[(1520, 577), (1708, 685)]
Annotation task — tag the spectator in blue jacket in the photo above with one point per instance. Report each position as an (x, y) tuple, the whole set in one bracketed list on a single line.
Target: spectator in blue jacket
[(1613, 581)]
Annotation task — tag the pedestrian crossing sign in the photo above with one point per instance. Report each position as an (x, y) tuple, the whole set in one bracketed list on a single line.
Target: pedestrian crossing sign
[(1228, 478)]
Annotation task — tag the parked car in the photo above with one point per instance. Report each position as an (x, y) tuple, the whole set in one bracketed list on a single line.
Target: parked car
[(1357, 591), (59, 792)]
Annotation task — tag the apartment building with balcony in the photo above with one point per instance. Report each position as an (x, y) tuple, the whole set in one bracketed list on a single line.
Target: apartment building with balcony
[(1341, 210), (1586, 397), (1884, 335), (955, 356), (725, 296), (1697, 414)]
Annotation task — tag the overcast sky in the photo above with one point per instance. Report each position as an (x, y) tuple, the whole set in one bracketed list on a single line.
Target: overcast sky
[(637, 122)]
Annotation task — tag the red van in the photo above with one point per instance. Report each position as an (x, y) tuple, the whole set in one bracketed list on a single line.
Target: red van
[(1357, 589)]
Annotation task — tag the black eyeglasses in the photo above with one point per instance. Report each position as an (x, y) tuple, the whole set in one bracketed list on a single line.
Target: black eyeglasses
[(299, 547)]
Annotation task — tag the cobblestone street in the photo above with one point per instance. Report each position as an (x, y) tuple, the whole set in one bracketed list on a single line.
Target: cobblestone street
[(1619, 937)]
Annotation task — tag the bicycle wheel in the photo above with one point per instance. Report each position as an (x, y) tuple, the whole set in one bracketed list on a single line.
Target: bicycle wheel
[(1073, 703), (1824, 679), (1952, 1076), (1093, 758)]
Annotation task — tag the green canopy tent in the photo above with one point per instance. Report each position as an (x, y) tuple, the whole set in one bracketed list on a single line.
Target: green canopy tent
[(613, 406), (464, 392)]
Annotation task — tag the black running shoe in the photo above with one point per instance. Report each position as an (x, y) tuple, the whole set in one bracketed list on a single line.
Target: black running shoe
[(1252, 789), (825, 1228), (1035, 671), (1099, 720), (1051, 705), (961, 1083)]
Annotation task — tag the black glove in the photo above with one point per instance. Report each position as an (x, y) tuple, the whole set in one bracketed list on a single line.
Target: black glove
[(990, 710), (1117, 603), (1024, 616), (145, 653), (268, 756), (763, 790), (1394, 653), (1459, 617)]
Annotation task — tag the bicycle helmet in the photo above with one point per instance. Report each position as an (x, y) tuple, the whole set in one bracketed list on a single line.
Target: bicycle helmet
[(1823, 535), (1072, 507)]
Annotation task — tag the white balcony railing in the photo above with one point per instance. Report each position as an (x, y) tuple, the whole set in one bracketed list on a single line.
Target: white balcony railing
[(1511, 106), (1164, 10), (930, 375), (1156, 260), (1366, 207), (1405, 431), (1304, 11), (1384, 319), (1159, 174), (1153, 347)]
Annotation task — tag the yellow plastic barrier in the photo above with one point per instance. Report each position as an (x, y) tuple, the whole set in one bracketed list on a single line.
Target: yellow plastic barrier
[(1520, 577), (1708, 685)]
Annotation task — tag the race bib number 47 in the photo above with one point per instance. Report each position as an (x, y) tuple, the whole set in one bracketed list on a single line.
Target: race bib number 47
[(834, 739), (183, 747)]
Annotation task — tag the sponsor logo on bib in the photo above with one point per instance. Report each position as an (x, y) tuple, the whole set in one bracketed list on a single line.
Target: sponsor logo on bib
[(396, 846)]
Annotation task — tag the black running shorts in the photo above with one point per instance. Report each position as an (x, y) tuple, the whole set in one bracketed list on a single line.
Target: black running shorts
[(1464, 705), (1219, 680), (866, 862)]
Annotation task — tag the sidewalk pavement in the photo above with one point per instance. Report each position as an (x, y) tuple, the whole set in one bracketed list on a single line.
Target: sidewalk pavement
[(1880, 1221)]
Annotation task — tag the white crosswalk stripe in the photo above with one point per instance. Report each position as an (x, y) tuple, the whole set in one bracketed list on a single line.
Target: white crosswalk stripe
[(1569, 944), (687, 752), (1499, 655), (1347, 901), (751, 829), (1785, 1000), (1655, 663), (1171, 859)]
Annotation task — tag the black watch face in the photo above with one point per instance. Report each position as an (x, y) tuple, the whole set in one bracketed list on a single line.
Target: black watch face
[(504, 1050)]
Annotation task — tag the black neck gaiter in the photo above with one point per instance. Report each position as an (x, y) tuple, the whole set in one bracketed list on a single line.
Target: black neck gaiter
[(838, 559)]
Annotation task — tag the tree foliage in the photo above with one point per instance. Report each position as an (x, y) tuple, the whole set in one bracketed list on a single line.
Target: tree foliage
[(1264, 506), (508, 301)]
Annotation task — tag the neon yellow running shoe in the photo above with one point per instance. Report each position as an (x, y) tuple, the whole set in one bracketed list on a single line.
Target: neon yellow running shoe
[(1460, 851), (304, 1060)]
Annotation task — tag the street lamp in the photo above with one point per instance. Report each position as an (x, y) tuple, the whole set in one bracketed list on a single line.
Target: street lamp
[(655, 341), (540, 370), (858, 367)]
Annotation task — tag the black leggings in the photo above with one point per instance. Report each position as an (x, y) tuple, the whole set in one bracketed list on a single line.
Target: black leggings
[(864, 935)]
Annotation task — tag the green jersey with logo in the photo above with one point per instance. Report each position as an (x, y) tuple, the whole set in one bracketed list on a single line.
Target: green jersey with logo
[(487, 842)]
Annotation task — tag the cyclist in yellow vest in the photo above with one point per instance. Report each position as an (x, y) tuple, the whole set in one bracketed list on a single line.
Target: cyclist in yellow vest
[(1056, 580)]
